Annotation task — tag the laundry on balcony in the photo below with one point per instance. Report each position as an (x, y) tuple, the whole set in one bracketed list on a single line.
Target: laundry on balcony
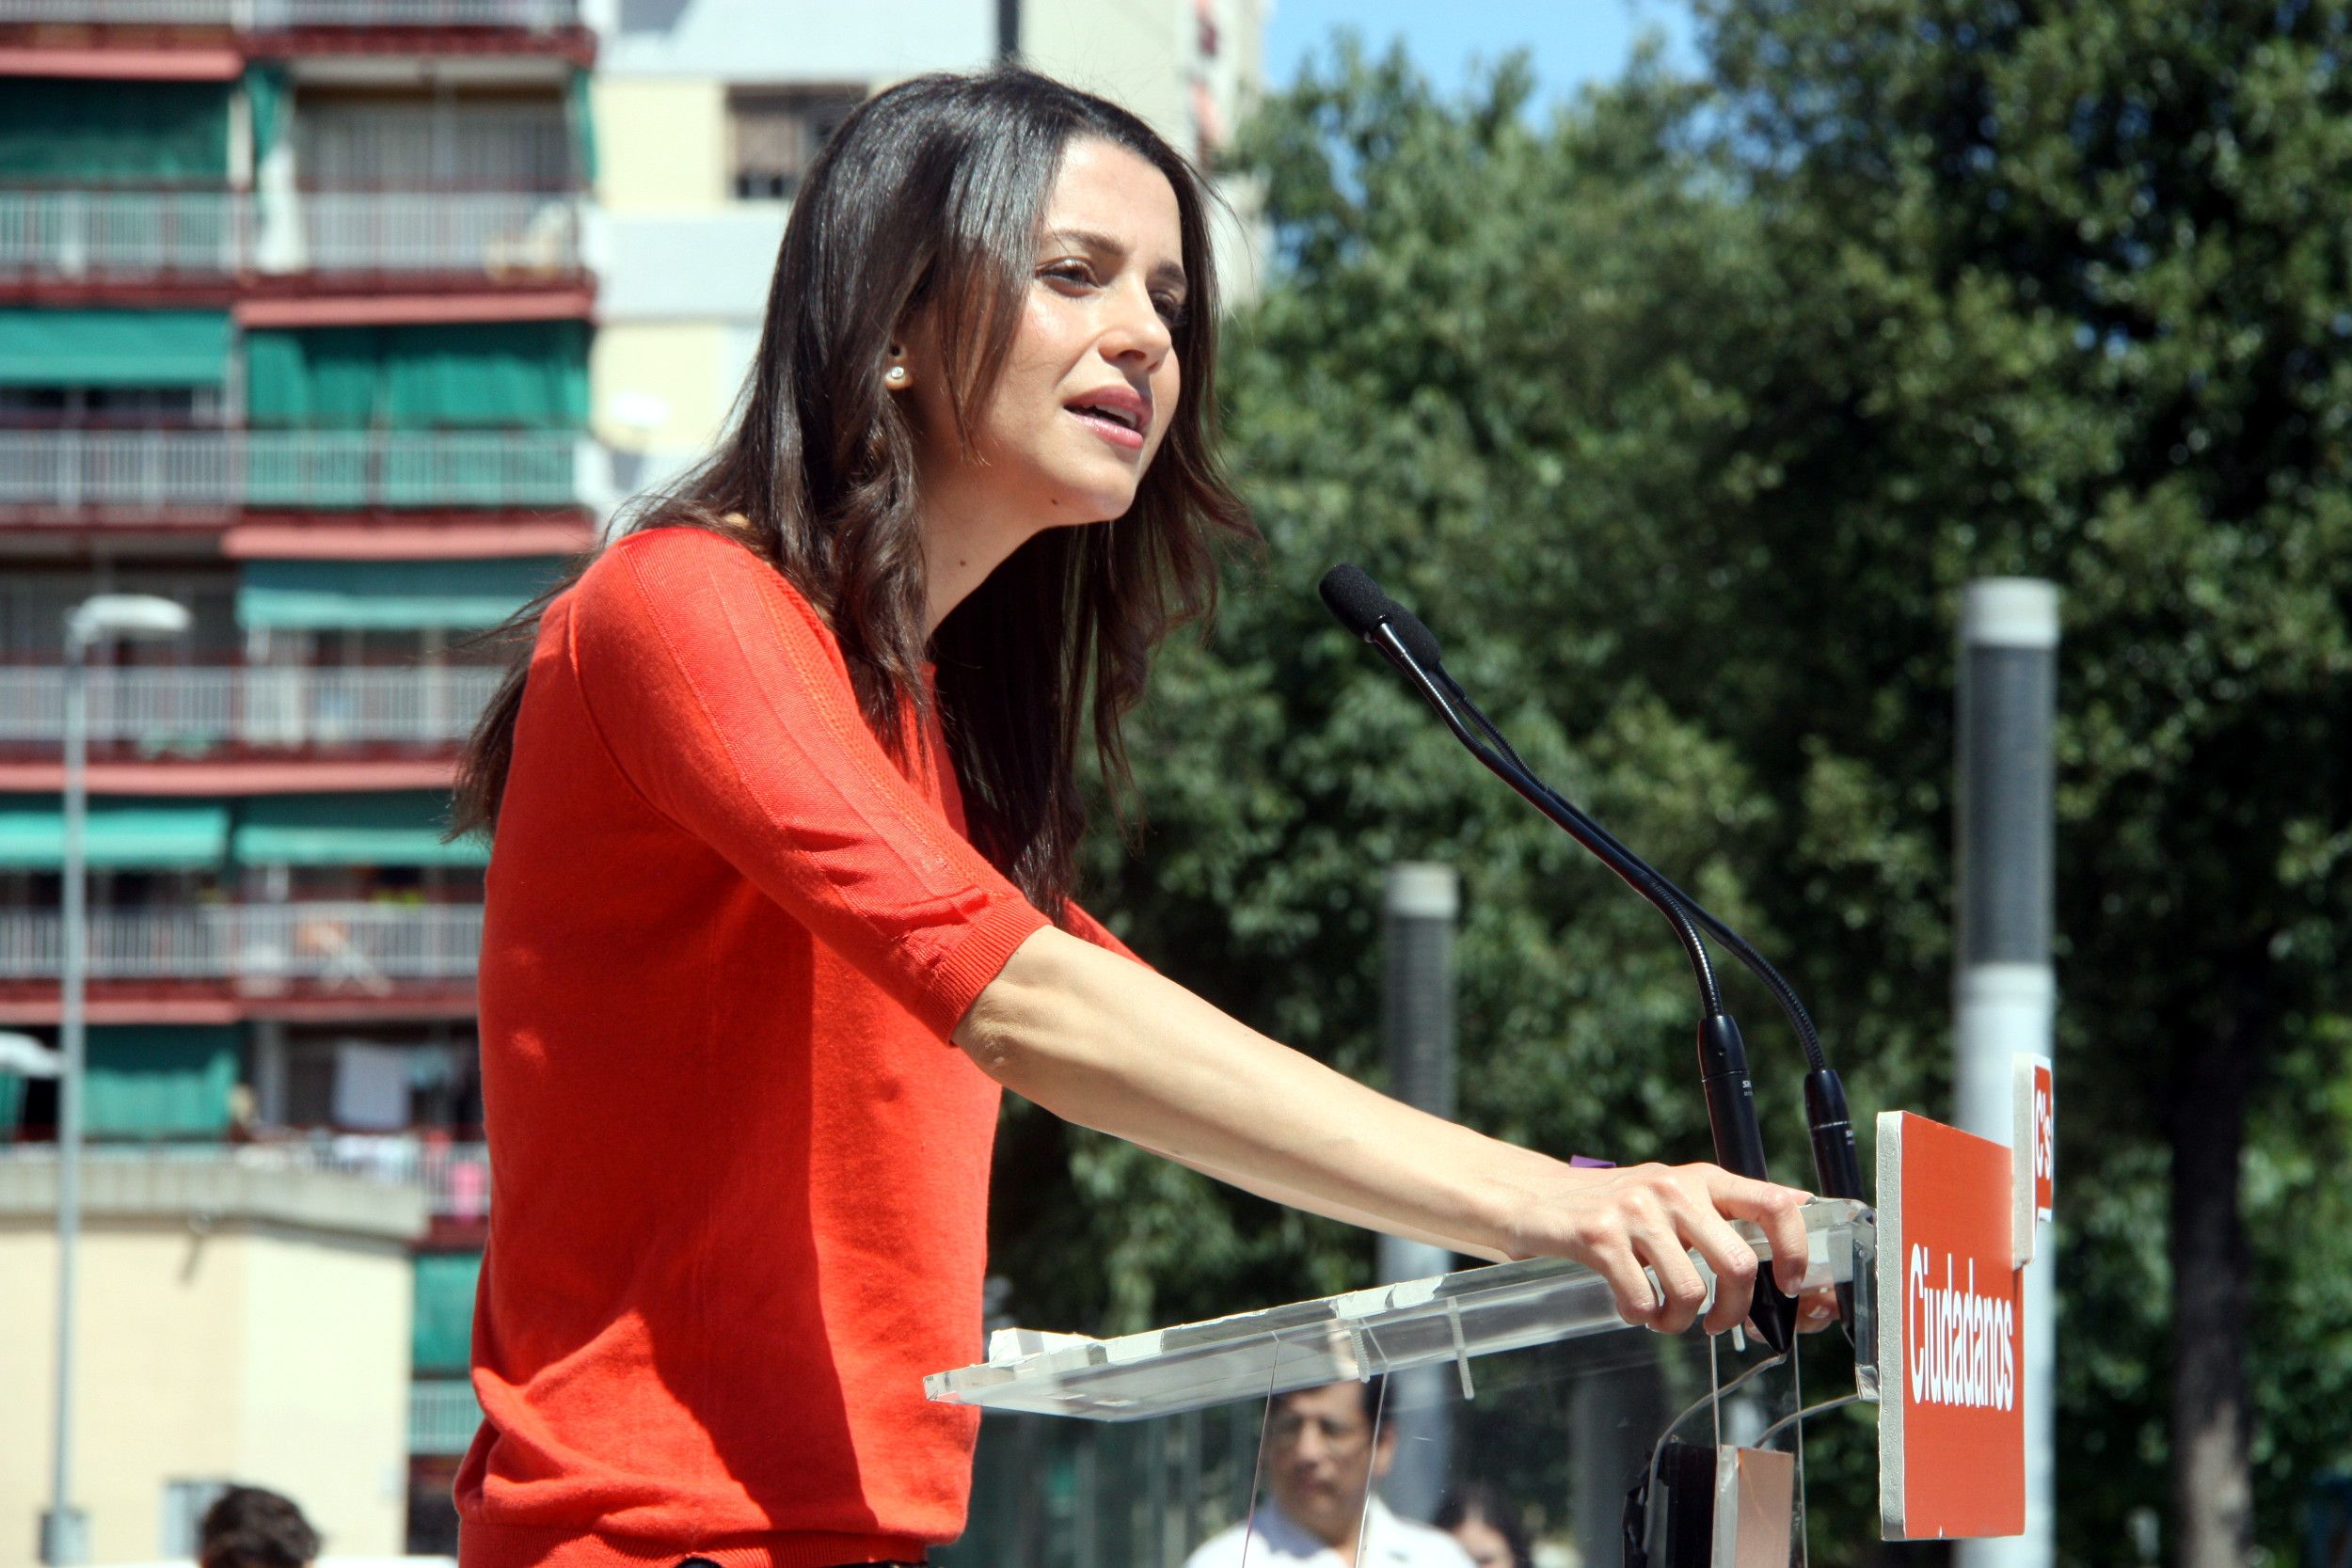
[(371, 1086)]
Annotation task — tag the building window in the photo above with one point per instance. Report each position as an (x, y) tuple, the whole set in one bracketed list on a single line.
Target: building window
[(110, 408), (776, 133)]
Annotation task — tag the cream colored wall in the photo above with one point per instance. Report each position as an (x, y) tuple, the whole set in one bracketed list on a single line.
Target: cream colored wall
[(1134, 52), (661, 145), (1145, 55), (225, 1349), (329, 1317), (682, 365)]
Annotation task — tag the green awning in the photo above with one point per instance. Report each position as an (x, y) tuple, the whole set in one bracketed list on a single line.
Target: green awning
[(160, 1081), (68, 130), (401, 596), (122, 835), (441, 1328), (396, 828), (148, 1081), (473, 375), (113, 348)]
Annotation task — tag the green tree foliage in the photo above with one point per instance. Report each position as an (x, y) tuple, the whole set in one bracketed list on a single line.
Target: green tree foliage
[(1682, 418)]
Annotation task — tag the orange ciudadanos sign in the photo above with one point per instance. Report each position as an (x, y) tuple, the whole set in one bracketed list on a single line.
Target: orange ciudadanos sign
[(1951, 1335)]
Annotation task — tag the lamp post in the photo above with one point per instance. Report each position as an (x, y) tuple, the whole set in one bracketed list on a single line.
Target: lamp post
[(2006, 994), (103, 617)]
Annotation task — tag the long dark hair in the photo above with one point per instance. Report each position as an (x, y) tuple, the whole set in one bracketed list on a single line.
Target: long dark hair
[(928, 198)]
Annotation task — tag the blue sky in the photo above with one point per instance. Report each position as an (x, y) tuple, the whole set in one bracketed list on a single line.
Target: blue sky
[(1572, 42)]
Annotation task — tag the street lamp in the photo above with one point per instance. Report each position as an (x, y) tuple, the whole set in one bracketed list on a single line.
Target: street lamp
[(103, 617)]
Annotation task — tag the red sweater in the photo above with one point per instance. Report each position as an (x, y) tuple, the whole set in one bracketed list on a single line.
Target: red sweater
[(740, 1177)]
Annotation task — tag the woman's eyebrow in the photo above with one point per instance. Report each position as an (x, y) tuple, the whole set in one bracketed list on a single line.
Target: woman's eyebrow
[(1165, 273)]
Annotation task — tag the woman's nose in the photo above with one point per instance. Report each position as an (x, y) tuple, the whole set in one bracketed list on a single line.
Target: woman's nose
[(1137, 330)]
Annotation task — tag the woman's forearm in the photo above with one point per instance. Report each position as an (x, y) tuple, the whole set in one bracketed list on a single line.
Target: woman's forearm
[(1110, 1045)]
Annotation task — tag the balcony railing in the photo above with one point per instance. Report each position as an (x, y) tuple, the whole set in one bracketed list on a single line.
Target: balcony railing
[(268, 15), (366, 947), (131, 233), (148, 234), (191, 711), (454, 1177), (157, 471), (442, 1416)]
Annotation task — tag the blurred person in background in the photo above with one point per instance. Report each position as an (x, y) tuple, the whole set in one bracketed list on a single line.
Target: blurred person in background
[(1326, 1451), (247, 1527), (785, 800), (1485, 1526)]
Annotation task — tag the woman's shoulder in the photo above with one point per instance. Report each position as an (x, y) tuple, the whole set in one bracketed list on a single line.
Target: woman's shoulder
[(682, 580), (691, 547), (682, 566)]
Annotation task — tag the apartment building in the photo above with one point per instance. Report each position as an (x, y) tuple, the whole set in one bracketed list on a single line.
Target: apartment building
[(346, 324), (294, 327)]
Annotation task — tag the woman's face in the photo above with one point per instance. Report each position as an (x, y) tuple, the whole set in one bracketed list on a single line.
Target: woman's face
[(1091, 380)]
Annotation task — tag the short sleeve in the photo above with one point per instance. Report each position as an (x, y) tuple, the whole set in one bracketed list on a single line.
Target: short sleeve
[(719, 697)]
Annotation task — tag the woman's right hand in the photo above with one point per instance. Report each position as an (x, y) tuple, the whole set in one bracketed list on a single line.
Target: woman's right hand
[(1618, 1220)]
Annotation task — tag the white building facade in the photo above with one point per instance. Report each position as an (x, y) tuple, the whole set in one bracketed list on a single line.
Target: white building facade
[(708, 110)]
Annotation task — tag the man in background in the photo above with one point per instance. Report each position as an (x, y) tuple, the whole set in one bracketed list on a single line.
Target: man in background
[(1325, 1449), (249, 1527)]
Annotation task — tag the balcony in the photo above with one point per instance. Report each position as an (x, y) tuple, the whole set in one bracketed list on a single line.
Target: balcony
[(454, 1177), (280, 15), (82, 478), (347, 948), (193, 712), (83, 236), (442, 1416)]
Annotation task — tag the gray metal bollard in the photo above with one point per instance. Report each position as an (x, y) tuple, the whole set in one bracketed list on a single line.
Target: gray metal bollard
[(1420, 904), (2005, 993)]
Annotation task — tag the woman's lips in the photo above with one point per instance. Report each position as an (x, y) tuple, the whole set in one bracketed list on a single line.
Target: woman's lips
[(1110, 430)]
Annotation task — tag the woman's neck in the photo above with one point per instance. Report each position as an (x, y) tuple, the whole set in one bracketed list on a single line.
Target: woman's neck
[(967, 534)]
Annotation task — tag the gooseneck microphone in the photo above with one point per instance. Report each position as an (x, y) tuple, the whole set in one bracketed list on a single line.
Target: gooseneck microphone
[(1356, 600), (1360, 606)]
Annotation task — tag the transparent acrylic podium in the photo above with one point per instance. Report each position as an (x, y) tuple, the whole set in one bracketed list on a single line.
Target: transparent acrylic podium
[(1255, 1439)]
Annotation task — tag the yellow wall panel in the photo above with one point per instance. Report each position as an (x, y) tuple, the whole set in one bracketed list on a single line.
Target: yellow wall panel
[(661, 145)]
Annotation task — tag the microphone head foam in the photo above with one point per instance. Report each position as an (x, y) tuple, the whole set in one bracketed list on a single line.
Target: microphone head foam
[(1418, 639), (1352, 597)]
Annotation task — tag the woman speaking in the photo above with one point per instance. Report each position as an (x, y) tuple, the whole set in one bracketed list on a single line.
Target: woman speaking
[(784, 805)]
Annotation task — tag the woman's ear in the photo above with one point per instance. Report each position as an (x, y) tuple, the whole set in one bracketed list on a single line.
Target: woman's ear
[(914, 347)]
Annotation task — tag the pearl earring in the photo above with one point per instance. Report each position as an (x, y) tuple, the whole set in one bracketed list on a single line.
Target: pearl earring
[(895, 375)]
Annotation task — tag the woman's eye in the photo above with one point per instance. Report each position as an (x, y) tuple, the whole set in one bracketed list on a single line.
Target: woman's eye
[(1071, 272), (1172, 310)]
